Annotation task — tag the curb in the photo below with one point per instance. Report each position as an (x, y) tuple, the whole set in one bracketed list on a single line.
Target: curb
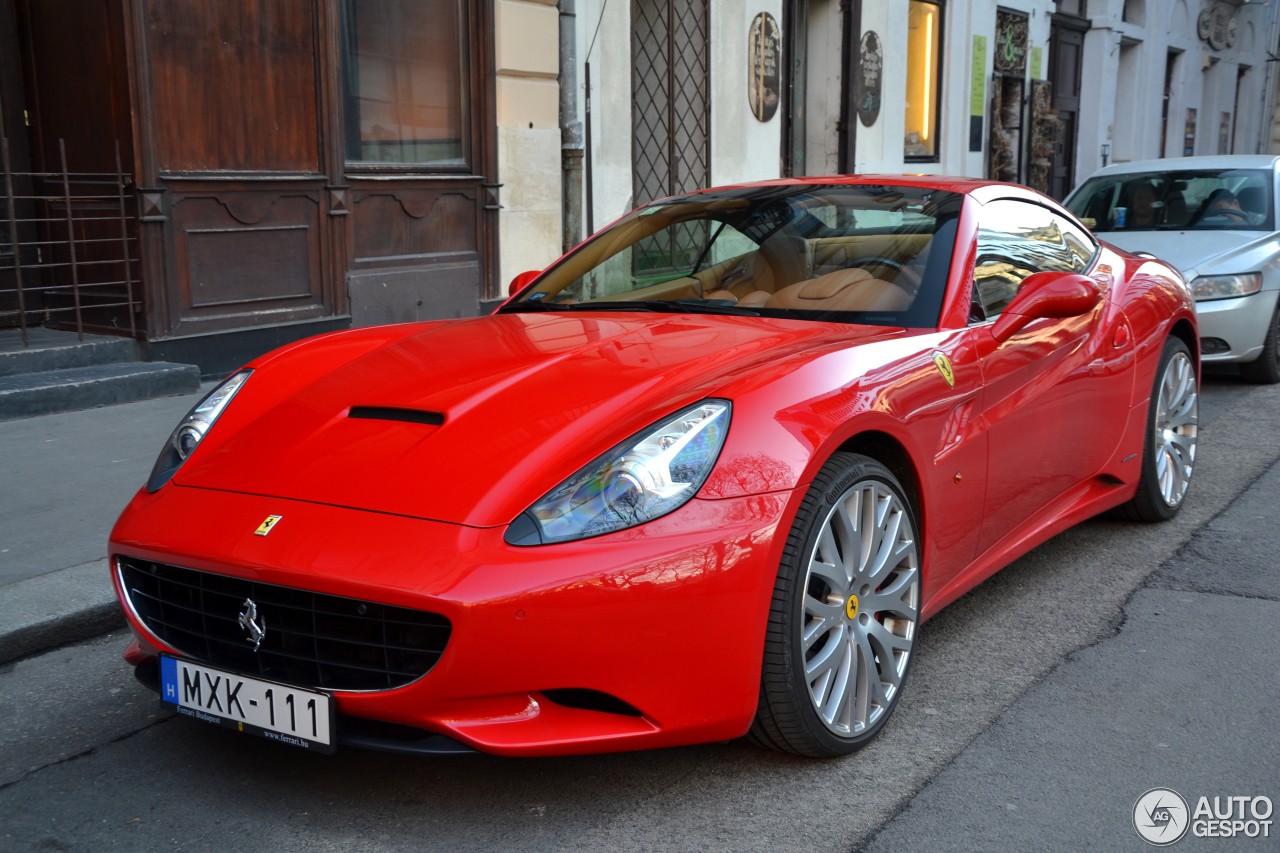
[(42, 613)]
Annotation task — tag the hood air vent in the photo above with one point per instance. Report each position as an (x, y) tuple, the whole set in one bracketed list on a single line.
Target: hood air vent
[(390, 413)]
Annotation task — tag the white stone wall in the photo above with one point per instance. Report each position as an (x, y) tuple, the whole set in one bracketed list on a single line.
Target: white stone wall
[(1125, 64), (604, 41), (526, 53), (742, 147)]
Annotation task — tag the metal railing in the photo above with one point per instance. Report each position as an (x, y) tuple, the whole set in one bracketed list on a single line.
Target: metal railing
[(68, 246)]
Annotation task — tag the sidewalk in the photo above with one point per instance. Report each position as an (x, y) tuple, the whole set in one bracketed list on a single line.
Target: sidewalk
[(1183, 696), (67, 476)]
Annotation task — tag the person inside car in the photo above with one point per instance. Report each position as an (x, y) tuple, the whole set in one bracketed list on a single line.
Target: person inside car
[(1222, 206)]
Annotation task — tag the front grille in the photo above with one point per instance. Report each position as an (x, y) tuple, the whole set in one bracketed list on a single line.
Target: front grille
[(312, 640)]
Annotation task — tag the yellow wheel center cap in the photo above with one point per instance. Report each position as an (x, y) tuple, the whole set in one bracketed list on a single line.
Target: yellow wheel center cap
[(851, 607)]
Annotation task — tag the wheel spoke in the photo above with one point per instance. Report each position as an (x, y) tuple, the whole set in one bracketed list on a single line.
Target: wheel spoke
[(827, 658), (871, 691), (845, 533), (829, 553), (890, 549), (887, 646), (830, 574), (836, 708), (824, 618), (893, 598)]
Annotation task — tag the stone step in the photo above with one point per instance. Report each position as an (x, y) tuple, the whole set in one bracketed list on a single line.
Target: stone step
[(49, 349), (26, 395)]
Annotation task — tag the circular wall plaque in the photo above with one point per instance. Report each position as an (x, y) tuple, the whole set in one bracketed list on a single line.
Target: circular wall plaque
[(763, 60)]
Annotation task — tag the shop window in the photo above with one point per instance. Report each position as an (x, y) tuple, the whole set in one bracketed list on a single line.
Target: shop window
[(924, 79), (404, 76)]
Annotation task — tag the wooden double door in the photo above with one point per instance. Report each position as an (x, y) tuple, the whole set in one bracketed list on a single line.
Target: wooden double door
[(289, 162)]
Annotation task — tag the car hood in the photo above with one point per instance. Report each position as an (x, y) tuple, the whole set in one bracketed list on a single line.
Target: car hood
[(522, 400), (1192, 252)]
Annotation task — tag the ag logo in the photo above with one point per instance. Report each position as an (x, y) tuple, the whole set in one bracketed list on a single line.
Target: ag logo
[(944, 367), (265, 527), (1161, 816)]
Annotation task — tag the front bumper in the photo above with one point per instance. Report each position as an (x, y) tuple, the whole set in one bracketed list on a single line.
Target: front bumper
[(1240, 325), (643, 638)]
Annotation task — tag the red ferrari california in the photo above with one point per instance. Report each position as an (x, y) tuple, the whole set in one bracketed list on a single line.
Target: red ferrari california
[(704, 477)]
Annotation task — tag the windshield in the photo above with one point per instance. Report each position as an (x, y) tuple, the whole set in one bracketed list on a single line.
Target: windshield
[(860, 254), (1214, 199)]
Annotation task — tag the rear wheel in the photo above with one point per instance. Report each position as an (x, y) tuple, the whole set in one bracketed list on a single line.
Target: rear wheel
[(1173, 424), (1265, 370), (845, 613)]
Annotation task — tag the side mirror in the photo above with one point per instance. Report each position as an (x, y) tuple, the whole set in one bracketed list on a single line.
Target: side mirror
[(1046, 294), (519, 282)]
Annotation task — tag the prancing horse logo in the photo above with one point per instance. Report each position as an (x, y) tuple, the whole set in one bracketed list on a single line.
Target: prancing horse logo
[(253, 626)]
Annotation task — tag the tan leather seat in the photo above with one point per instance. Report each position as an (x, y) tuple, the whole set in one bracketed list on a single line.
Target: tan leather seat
[(843, 290)]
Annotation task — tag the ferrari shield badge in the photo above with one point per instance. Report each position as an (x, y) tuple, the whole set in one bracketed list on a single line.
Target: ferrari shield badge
[(265, 527), (944, 367)]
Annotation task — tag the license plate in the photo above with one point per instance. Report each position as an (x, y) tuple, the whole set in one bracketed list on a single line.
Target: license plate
[(275, 711)]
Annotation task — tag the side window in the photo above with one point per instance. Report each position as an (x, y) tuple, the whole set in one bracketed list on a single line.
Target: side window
[(1016, 239)]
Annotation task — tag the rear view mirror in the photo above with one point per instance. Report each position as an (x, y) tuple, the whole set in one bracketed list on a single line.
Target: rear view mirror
[(1046, 294)]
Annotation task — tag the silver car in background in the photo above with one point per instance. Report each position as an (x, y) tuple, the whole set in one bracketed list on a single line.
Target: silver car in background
[(1214, 218)]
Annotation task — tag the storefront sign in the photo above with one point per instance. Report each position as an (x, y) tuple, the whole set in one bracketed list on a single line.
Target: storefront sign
[(763, 61), (1011, 43), (870, 72), (977, 92)]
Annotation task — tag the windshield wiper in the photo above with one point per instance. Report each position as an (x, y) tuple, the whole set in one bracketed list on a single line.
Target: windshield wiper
[(531, 305), (679, 306)]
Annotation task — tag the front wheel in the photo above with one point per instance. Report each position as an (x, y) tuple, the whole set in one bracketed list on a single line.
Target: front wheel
[(845, 613), (1265, 369), (1173, 425)]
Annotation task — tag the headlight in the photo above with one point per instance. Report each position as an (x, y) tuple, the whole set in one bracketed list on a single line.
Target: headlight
[(191, 430), (1209, 287), (647, 476)]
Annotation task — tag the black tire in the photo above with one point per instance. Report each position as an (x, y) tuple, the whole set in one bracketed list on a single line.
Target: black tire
[(850, 575), (1169, 450), (1265, 369)]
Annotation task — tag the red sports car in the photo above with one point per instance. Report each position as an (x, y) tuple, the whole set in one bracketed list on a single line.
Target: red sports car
[(703, 477)]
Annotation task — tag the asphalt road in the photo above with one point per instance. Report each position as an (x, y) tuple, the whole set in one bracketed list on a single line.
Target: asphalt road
[(1115, 658)]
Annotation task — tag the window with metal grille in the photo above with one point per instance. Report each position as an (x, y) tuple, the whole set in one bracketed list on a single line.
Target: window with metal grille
[(670, 116)]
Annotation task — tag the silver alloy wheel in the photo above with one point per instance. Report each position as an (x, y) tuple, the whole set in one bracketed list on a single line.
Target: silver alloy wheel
[(1176, 428), (861, 605)]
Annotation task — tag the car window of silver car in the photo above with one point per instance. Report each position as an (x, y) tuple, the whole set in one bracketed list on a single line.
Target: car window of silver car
[(1175, 199)]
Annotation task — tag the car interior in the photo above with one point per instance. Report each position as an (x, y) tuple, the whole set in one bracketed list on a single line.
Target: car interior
[(796, 261)]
